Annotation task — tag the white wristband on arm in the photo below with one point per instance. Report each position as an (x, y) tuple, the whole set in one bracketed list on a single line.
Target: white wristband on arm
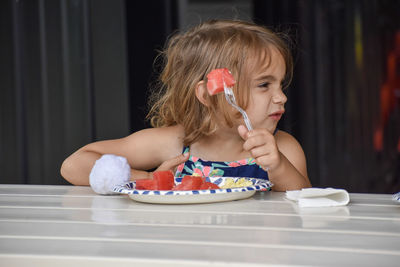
[(107, 172)]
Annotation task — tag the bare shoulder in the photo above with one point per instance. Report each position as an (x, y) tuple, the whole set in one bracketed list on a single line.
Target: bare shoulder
[(292, 150), (285, 140)]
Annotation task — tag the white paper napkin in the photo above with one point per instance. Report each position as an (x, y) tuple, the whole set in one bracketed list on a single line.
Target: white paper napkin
[(319, 197)]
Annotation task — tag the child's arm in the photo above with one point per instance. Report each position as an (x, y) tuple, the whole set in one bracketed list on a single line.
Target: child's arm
[(282, 155), (144, 150)]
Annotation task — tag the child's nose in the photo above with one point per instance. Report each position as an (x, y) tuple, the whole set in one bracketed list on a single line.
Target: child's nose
[(279, 98)]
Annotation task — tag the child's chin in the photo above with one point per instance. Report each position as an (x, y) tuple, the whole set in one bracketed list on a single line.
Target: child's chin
[(271, 128)]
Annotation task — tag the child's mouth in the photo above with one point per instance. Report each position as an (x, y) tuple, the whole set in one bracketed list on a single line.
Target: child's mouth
[(277, 115)]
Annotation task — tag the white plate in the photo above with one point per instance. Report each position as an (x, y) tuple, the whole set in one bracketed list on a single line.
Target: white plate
[(396, 197), (195, 196)]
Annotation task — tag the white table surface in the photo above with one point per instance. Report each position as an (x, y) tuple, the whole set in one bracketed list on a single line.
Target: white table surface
[(72, 226)]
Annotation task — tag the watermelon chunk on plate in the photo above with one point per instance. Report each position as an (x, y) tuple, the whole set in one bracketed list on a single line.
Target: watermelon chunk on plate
[(190, 183), (216, 79), (208, 186), (162, 180), (146, 184), (194, 183)]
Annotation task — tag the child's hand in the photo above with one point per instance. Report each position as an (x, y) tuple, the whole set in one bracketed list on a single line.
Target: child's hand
[(262, 146), (171, 164)]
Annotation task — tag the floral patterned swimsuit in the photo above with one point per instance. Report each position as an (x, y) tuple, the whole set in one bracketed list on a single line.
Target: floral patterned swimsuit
[(240, 168)]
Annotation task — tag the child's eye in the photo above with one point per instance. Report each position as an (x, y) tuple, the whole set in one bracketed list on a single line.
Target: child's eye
[(264, 85)]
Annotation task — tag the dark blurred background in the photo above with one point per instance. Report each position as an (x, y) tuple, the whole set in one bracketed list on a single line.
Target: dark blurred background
[(77, 71)]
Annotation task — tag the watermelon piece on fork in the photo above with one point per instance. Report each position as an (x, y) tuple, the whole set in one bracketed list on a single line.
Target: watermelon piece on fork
[(216, 79)]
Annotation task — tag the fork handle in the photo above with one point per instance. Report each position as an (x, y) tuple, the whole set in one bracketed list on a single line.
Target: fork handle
[(246, 120)]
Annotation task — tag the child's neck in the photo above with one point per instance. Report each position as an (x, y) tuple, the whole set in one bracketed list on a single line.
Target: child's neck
[(223, 146)]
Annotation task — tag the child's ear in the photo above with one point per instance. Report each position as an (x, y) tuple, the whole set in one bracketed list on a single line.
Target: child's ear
[(202, 93)]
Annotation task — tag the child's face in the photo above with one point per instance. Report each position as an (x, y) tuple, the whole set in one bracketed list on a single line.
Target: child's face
[(267, 99)]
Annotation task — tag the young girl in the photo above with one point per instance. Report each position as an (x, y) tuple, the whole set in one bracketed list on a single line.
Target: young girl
[(196, 133)]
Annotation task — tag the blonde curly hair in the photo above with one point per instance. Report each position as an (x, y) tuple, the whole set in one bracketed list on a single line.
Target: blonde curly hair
[(190, 56)]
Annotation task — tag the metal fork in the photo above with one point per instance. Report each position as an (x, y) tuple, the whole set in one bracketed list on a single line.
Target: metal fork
[(230, 97)]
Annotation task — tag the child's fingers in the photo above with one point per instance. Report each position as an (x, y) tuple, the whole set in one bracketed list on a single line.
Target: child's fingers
[(173, 163), (264, 161), (252, 143), (262, 146), (260, 151), (243, 131), (258, 138)]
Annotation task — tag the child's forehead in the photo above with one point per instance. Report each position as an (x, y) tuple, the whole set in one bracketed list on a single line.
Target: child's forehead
[(265, 62)]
